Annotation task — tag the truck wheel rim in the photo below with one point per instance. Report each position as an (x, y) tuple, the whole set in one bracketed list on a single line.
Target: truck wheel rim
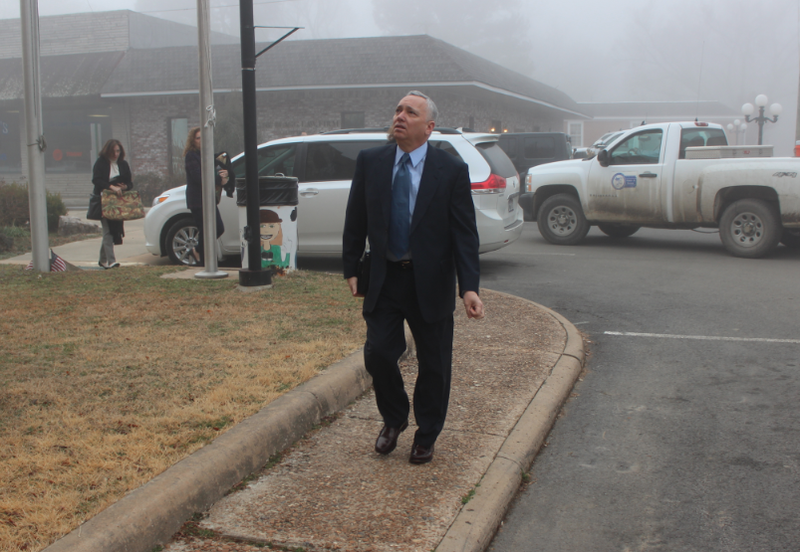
[(562, 220), (185, 240), (747, 229)]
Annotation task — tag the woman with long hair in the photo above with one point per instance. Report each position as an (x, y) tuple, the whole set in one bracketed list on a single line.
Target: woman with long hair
[(111, 172), (194, 189)]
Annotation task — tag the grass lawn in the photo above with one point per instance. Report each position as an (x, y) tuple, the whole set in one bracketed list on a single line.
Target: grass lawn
[(109, 377), (20, 240)]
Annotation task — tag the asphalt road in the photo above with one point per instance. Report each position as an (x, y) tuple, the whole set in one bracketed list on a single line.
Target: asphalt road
[(683, 439)]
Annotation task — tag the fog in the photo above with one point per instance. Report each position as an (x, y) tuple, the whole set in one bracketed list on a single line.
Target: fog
[(622, 50)]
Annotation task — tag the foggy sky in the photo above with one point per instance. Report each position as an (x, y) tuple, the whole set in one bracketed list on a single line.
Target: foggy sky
[(615, 50)]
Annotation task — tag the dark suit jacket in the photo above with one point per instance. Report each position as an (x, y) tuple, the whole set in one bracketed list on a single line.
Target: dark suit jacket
[(443, 237)]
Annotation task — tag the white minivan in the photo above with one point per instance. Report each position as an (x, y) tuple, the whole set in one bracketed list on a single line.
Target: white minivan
[(324, 165)]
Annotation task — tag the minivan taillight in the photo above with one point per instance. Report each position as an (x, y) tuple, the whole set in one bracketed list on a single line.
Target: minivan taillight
[(493, 185)]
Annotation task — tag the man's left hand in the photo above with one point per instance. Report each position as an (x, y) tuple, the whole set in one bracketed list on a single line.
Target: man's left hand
[(473, 305)]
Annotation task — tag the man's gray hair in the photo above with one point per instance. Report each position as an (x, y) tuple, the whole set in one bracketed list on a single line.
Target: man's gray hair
[(433, 112)]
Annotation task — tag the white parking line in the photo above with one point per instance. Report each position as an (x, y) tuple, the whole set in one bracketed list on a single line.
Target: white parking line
[(704, 337)]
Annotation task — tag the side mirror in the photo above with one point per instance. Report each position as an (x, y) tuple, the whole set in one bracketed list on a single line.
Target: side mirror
[(602, 158)]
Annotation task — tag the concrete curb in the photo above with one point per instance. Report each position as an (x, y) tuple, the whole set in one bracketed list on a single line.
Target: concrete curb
[(477, 522), (151, 514)]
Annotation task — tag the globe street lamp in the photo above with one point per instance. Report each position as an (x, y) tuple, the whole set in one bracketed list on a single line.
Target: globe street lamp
[(761, 101), (736, 128)]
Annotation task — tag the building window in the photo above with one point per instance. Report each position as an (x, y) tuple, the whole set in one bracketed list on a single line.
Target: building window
[(10, 144), (74, 138), (352, 119), (178, 132), (575, 131)]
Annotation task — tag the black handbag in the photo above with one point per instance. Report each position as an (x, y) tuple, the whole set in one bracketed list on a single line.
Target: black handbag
[(95, 211), (362, 272)]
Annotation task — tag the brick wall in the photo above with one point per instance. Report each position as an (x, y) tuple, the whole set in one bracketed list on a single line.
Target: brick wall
[(142, 124), (282, 114), (149, 129)]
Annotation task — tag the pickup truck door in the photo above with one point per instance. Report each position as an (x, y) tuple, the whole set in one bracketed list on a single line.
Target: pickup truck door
[(629, 188)]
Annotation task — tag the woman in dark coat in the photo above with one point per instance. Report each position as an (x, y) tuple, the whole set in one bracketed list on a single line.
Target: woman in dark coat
[(111, 172), (194, 189)]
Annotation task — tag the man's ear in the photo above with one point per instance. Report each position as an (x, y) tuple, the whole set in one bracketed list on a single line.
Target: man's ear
[(429, 128)]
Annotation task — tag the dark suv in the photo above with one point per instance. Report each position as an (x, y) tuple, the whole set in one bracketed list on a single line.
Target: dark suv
[(528, 149)]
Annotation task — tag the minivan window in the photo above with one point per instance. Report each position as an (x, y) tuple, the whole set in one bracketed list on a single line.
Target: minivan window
[(330, 161), (498, 161), (272, 160), (445, 146)]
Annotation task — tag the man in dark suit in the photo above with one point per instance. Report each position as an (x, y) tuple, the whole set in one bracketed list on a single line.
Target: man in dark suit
[(413, 203)]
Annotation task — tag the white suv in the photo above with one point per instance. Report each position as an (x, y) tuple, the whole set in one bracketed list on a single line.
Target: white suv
[(324, 165)]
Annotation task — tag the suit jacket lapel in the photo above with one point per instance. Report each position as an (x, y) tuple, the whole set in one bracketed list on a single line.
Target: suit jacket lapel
[(427, 186)]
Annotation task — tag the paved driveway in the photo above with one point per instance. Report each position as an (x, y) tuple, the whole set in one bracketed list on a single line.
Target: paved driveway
[(683, 434)]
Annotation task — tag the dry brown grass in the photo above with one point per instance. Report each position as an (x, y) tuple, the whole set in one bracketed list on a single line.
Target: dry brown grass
[(109, 377)]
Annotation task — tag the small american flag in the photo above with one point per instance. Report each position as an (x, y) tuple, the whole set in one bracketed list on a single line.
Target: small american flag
[(57, 264)]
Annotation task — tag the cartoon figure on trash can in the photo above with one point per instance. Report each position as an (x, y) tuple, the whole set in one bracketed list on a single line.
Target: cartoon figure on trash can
[(275, 250)]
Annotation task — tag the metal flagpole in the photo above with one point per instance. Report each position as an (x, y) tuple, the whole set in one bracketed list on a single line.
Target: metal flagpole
[(37, 198), (207, 117)]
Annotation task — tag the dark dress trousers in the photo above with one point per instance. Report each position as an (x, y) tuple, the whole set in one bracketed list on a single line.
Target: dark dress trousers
[(443, 242)]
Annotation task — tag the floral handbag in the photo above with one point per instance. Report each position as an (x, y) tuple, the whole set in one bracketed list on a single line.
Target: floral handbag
[(126, 206)]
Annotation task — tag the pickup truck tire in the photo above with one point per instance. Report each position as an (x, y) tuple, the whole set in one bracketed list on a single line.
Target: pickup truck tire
[(749, 228), (791, 238), (561, 220), (181, 239), (618, 230)]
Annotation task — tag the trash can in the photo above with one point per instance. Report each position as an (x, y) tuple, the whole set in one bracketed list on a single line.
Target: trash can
[(278, 198)]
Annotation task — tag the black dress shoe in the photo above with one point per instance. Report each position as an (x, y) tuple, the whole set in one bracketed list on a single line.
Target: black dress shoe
[(421, 455), (387, 438)]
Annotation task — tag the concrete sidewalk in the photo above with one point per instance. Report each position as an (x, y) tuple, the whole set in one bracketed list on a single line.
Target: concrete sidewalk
[(85, 254), (330, 491)]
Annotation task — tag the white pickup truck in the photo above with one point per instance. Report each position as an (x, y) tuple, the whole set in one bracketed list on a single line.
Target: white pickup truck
[(671, 175)]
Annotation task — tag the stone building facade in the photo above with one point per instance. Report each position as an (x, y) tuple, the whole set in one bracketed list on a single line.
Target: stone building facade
[(135, 78)]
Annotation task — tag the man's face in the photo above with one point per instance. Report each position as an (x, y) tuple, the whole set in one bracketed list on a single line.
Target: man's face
[(410, 125)]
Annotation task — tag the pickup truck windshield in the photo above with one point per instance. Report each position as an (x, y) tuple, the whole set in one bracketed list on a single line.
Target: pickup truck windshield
[(642, 148)]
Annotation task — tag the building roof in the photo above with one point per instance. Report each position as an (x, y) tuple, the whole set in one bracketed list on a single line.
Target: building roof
[(81, 33), (399, 61), (69, 76), (658, 110)]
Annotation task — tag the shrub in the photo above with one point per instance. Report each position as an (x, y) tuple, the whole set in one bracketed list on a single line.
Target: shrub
[(13, 204), (55, 209), (15, 210), (150, 185), (13, 238)]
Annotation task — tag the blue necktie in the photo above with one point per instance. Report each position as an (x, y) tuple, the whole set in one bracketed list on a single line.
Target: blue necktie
[(399, 223)]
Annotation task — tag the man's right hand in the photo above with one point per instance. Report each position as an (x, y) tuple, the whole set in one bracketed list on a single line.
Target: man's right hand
[(353, 283)]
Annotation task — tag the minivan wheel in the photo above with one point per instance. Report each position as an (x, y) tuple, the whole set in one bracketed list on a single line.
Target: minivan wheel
[(182, 238), (749, 228), (561, 220)]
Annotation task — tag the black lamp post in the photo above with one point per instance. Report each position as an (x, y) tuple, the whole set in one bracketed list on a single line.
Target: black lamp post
[(761, 101)]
